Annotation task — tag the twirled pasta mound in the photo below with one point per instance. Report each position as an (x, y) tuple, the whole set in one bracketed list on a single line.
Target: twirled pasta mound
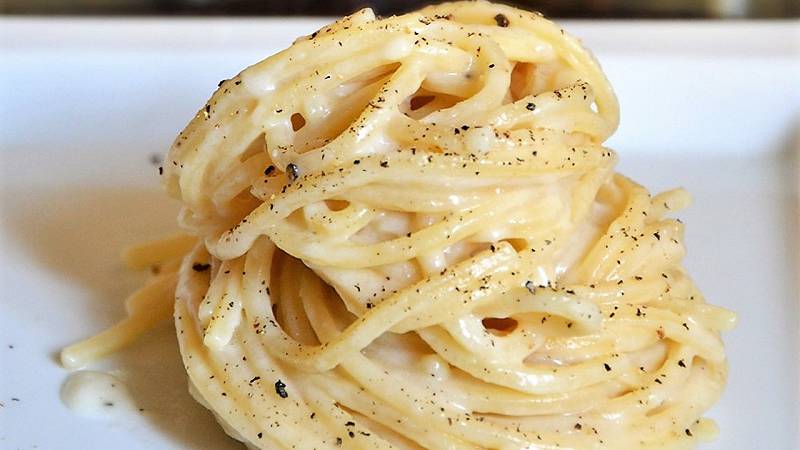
[(413, 237)]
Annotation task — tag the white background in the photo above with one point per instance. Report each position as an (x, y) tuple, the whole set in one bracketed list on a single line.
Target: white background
[(84, 104)]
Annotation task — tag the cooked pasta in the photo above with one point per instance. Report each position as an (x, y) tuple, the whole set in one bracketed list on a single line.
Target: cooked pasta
[(407, 233)]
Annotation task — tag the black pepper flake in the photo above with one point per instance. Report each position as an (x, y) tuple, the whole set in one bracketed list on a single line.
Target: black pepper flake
[(384, 164), (688, 432), (237, 82), (578, 426), (657, 236), (221, 82), (501, 20), (356, 162), (530, 106), (338, 442), (292, 171), (260, 435), (269, 170), (161, 170), (254, 379), (491, 66), (681, 363), (607, 367), (351, 434), (280, 389), (200, 267)]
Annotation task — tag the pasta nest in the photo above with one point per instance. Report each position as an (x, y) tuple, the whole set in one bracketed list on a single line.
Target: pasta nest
[(412, 236)]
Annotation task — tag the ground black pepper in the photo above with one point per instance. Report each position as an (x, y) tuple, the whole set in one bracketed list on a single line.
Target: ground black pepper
[(280, 389), (200, 267), (501, 20), (292, 171)]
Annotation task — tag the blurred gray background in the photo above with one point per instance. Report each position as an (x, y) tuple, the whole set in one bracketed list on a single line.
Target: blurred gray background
[(665, 9)]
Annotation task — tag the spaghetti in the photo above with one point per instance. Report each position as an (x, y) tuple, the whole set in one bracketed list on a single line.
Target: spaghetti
[(406, 233)]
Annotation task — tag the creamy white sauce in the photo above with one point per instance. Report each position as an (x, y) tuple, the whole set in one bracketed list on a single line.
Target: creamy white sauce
[(96, 395), (437, 367)]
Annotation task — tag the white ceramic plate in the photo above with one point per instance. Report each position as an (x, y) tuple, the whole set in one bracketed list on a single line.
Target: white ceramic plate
[(85, 103)]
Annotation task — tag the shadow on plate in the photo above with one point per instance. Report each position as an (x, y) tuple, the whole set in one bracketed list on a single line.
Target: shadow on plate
[(76, 235), (791, 176)]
